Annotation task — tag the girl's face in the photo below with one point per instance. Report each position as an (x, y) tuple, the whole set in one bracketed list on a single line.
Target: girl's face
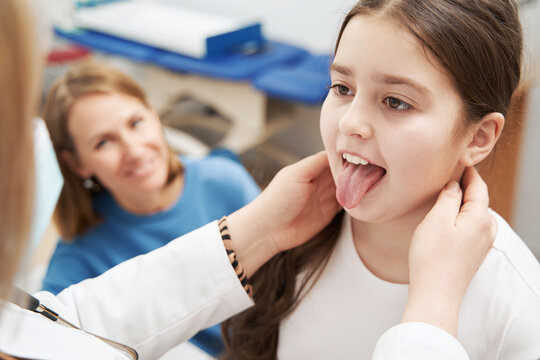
[(120, 142), (393, 107)]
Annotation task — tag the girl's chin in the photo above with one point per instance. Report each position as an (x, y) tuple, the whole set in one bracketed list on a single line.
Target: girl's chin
[(381, 214), (376, 212), (367, 215)]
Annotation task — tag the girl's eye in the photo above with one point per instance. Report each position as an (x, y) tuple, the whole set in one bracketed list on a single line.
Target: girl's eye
[(342, 90), (396, 104)]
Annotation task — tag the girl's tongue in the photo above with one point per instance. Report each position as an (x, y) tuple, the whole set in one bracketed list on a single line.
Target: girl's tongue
[(354, 181)]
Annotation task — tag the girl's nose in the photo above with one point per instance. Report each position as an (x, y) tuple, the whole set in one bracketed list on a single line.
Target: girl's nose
[(356, 122)]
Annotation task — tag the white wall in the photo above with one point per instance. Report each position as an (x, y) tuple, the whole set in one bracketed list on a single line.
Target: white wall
[(527, 215), (312, 24), (530, 15)]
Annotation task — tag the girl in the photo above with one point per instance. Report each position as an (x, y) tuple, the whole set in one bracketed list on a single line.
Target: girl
[(420, 91), (126, 193)]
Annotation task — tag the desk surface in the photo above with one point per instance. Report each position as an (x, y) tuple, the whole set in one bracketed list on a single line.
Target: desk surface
[(279, 70), (236, 66)]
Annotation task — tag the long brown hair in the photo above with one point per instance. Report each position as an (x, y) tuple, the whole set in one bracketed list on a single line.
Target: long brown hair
[(479, 43), (74, 212), (19, 74)]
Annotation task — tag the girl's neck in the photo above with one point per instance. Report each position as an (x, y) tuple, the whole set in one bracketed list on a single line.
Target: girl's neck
[(151, 202), (384, 247)]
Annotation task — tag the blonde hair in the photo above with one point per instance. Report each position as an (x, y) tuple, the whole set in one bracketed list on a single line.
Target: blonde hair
[(19, 86), (74, 212)]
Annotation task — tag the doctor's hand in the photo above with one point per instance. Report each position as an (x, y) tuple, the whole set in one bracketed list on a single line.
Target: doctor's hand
[(299, 202), (446, 250)]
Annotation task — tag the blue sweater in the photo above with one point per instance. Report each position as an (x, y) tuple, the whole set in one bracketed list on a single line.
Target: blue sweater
[(213, 187)]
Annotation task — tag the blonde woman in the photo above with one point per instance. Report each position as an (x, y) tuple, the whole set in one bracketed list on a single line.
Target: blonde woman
[(125, 192), (141, 303)]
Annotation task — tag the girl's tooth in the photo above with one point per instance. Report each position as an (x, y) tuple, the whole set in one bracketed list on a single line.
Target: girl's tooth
[(354, 159)]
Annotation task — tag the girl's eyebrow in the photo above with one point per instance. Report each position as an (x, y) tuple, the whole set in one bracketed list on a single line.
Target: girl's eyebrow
[(399, 80), (341, 69), (386, 79)]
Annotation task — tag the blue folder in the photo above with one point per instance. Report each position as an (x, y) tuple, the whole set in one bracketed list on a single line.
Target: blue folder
[(111, 44), (236, 66), (305, 81)]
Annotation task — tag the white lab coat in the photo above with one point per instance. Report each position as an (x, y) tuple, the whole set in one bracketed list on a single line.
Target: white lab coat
[(156, 301)]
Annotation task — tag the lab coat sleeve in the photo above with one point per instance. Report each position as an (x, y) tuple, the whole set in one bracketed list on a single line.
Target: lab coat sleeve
[(156, 301), (418, 341)]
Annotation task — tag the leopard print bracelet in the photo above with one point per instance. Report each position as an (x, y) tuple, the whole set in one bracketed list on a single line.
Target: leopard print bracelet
[(227, 242)]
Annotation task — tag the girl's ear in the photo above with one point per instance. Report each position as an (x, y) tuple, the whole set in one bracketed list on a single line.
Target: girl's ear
[(484, 137), (74, 164)]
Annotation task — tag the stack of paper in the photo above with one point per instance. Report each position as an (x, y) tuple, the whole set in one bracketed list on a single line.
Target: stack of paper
[(171, 27)]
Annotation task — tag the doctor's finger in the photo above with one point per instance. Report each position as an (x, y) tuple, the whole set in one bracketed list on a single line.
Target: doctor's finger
[(475, 191), (447, 207), (312, 166)]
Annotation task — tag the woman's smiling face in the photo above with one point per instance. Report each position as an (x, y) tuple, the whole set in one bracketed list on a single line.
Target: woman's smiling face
[(119, 141), (391, 104)]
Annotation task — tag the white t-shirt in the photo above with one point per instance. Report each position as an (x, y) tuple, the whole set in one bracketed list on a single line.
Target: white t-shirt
[(349, 308)]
